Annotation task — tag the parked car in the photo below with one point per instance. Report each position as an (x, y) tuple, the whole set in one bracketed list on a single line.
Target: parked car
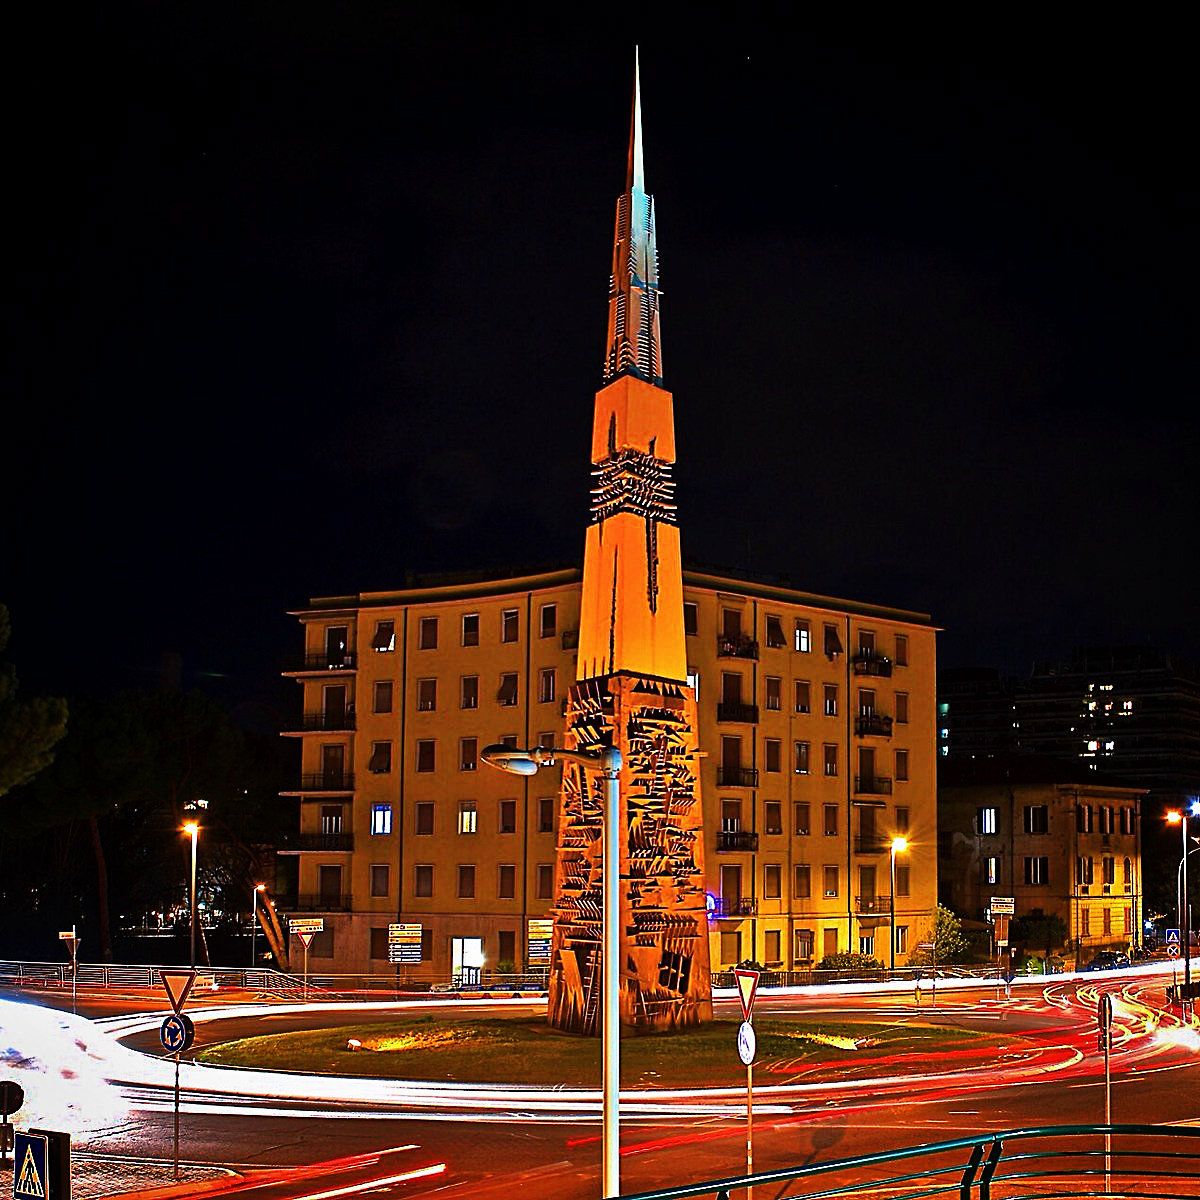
[(1108, 960)]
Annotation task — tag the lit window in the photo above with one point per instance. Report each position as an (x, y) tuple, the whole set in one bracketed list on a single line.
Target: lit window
[(833, 641), (803, 637), (381, 819), (991, 869), (866, 943), (385, 636), (801, 758), (901, 939), (468, 816), (831, 699), (988, 820), (831, 760)]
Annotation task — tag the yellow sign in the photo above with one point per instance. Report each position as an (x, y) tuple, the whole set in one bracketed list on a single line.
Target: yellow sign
[(29, 1182)]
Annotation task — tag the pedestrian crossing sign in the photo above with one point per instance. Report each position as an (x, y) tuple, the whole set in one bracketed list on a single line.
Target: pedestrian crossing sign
[(31, 1166), (1173, 937)]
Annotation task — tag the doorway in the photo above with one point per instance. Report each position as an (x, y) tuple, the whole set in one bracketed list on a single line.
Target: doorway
[(466, 961)]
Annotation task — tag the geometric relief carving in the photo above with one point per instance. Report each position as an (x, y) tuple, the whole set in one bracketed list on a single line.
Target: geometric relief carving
[(664, 968)]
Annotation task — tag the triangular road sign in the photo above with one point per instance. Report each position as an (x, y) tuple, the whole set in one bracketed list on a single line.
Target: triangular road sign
[(178, 986), (1173, 938), (29, 1182), (747, 985), (306, 936)]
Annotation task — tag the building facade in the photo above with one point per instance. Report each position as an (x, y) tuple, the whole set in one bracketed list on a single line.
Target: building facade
[(1052, 836)]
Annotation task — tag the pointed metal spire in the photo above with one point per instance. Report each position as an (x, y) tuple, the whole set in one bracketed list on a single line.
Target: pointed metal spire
[(634, 337)]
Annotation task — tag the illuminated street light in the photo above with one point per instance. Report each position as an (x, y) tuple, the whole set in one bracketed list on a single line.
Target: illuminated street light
[(258, 887), (192, 829), (899, 845), (1180, 818), (608, 760)]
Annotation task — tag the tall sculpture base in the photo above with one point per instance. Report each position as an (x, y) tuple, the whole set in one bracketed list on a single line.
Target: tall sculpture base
[(664, 968)]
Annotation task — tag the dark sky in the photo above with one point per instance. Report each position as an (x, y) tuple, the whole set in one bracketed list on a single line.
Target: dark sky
[(304, 298)]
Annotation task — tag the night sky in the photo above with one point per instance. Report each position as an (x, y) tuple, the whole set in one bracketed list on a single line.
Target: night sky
[(305, 298)]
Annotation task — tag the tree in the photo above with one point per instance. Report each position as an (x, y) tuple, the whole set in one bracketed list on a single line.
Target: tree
[(947, 937), (29, 729), (1046, 932)]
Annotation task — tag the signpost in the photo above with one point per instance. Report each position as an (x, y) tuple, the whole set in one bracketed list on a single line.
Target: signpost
[(306, 928), (539, 939), (1001, 908), (177, 1032), (71, 938), (404, 944), (12, 1096), (1104, 1021), (932, 948), (1173, 943), (747, 986)]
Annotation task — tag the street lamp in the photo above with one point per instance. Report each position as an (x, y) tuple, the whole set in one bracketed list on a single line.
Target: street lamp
[(1180, 818), (258, 887), (608, 760), (899, 845), (192, 829)]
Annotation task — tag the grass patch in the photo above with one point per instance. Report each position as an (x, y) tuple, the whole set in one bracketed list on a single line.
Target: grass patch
[(520, 1050)]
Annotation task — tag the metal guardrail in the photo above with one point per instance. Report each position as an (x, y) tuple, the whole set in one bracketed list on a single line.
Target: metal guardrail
[(971, 1168)]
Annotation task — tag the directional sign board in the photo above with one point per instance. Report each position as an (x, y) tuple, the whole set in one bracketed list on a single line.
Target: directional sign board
[(746, 1043), (404, 944), (1003, 906), (747, 985), (306, 924), (1174, 941), (541, 934), (177, 1034), (178, 986)]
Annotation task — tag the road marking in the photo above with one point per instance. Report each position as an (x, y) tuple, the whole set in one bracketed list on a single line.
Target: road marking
[(371, 1185)]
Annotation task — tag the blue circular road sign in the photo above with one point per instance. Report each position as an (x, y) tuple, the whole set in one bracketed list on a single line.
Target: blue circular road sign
[(177, 1033)]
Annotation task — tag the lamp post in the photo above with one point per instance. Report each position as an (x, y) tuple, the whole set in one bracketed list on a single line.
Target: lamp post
[(608, 760), (1181, 819), (899, 845), (258, 887), (192, 829)]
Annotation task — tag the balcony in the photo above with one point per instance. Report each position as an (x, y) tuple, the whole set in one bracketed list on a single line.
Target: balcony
[(737, 777), (737, 841), (868, 662), (734, 907), (324, 721), (735, 710), (873, 725), (327, 781), (736, 647), (315, 903), (322, 660), (570, 639), (336, 842), (873, 785), (871, 844), (878, 905)]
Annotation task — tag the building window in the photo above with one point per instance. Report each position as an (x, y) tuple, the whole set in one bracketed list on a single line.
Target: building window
[(772, 874), (773, 816), (546, 814), (1037, 818), (426, 754), (1106, 819), (381, 758), (1127, 874), (506, 881), (866, 944), (426, 695), (383, 696), (424, 816), (546, 685), (991, 869), (1085, 921), (831, 699), (385, 636), (902, 766), (468, 754), (831, 883), (546, 740), (804, 945), (803, 819), (901, 650), (1037, 870), (380, 879), (771, 946), (775, 638), (773, 753), (1108, 866), (831, 759), (831, 820), (800, 759), (802, 886), (774, 693), (987, 820), (833, 642), (509, 740), (901, 939), (470, 629), (545, 881), (803, 696), (901, 708), (331, 818), (691, 617), (469, 692), (507, 695), (1083, 870), (510, 625), (693, 681), (381, 819), (466, 881), (468, 816), (866, 702), (379, 942), (901, 879), (508, 816), (1126, 819), (1108, 920), (731, 816), (427, 633), (802, 638), (547, 620)]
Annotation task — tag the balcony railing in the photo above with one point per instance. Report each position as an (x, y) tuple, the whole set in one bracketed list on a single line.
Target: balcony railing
[(325, 720), (735, 710), (737, 840), (570, 639), (323, 660), (315, 902), (736, 647), (326, 841), (743, 907), (328, 781), (873, 725), (868, 662), (873, 904), (737, 777), (871, 844), (873, 785)]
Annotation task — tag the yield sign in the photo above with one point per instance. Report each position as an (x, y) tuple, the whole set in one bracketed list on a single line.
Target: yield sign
[(306, 936), (178, 986), (747, 985)]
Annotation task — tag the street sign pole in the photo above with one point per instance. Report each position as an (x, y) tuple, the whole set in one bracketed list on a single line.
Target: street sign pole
[(1104, 1020), (176, 1117), (747, 986)]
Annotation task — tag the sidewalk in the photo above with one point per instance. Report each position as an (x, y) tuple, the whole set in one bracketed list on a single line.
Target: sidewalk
[(95, 1175)]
